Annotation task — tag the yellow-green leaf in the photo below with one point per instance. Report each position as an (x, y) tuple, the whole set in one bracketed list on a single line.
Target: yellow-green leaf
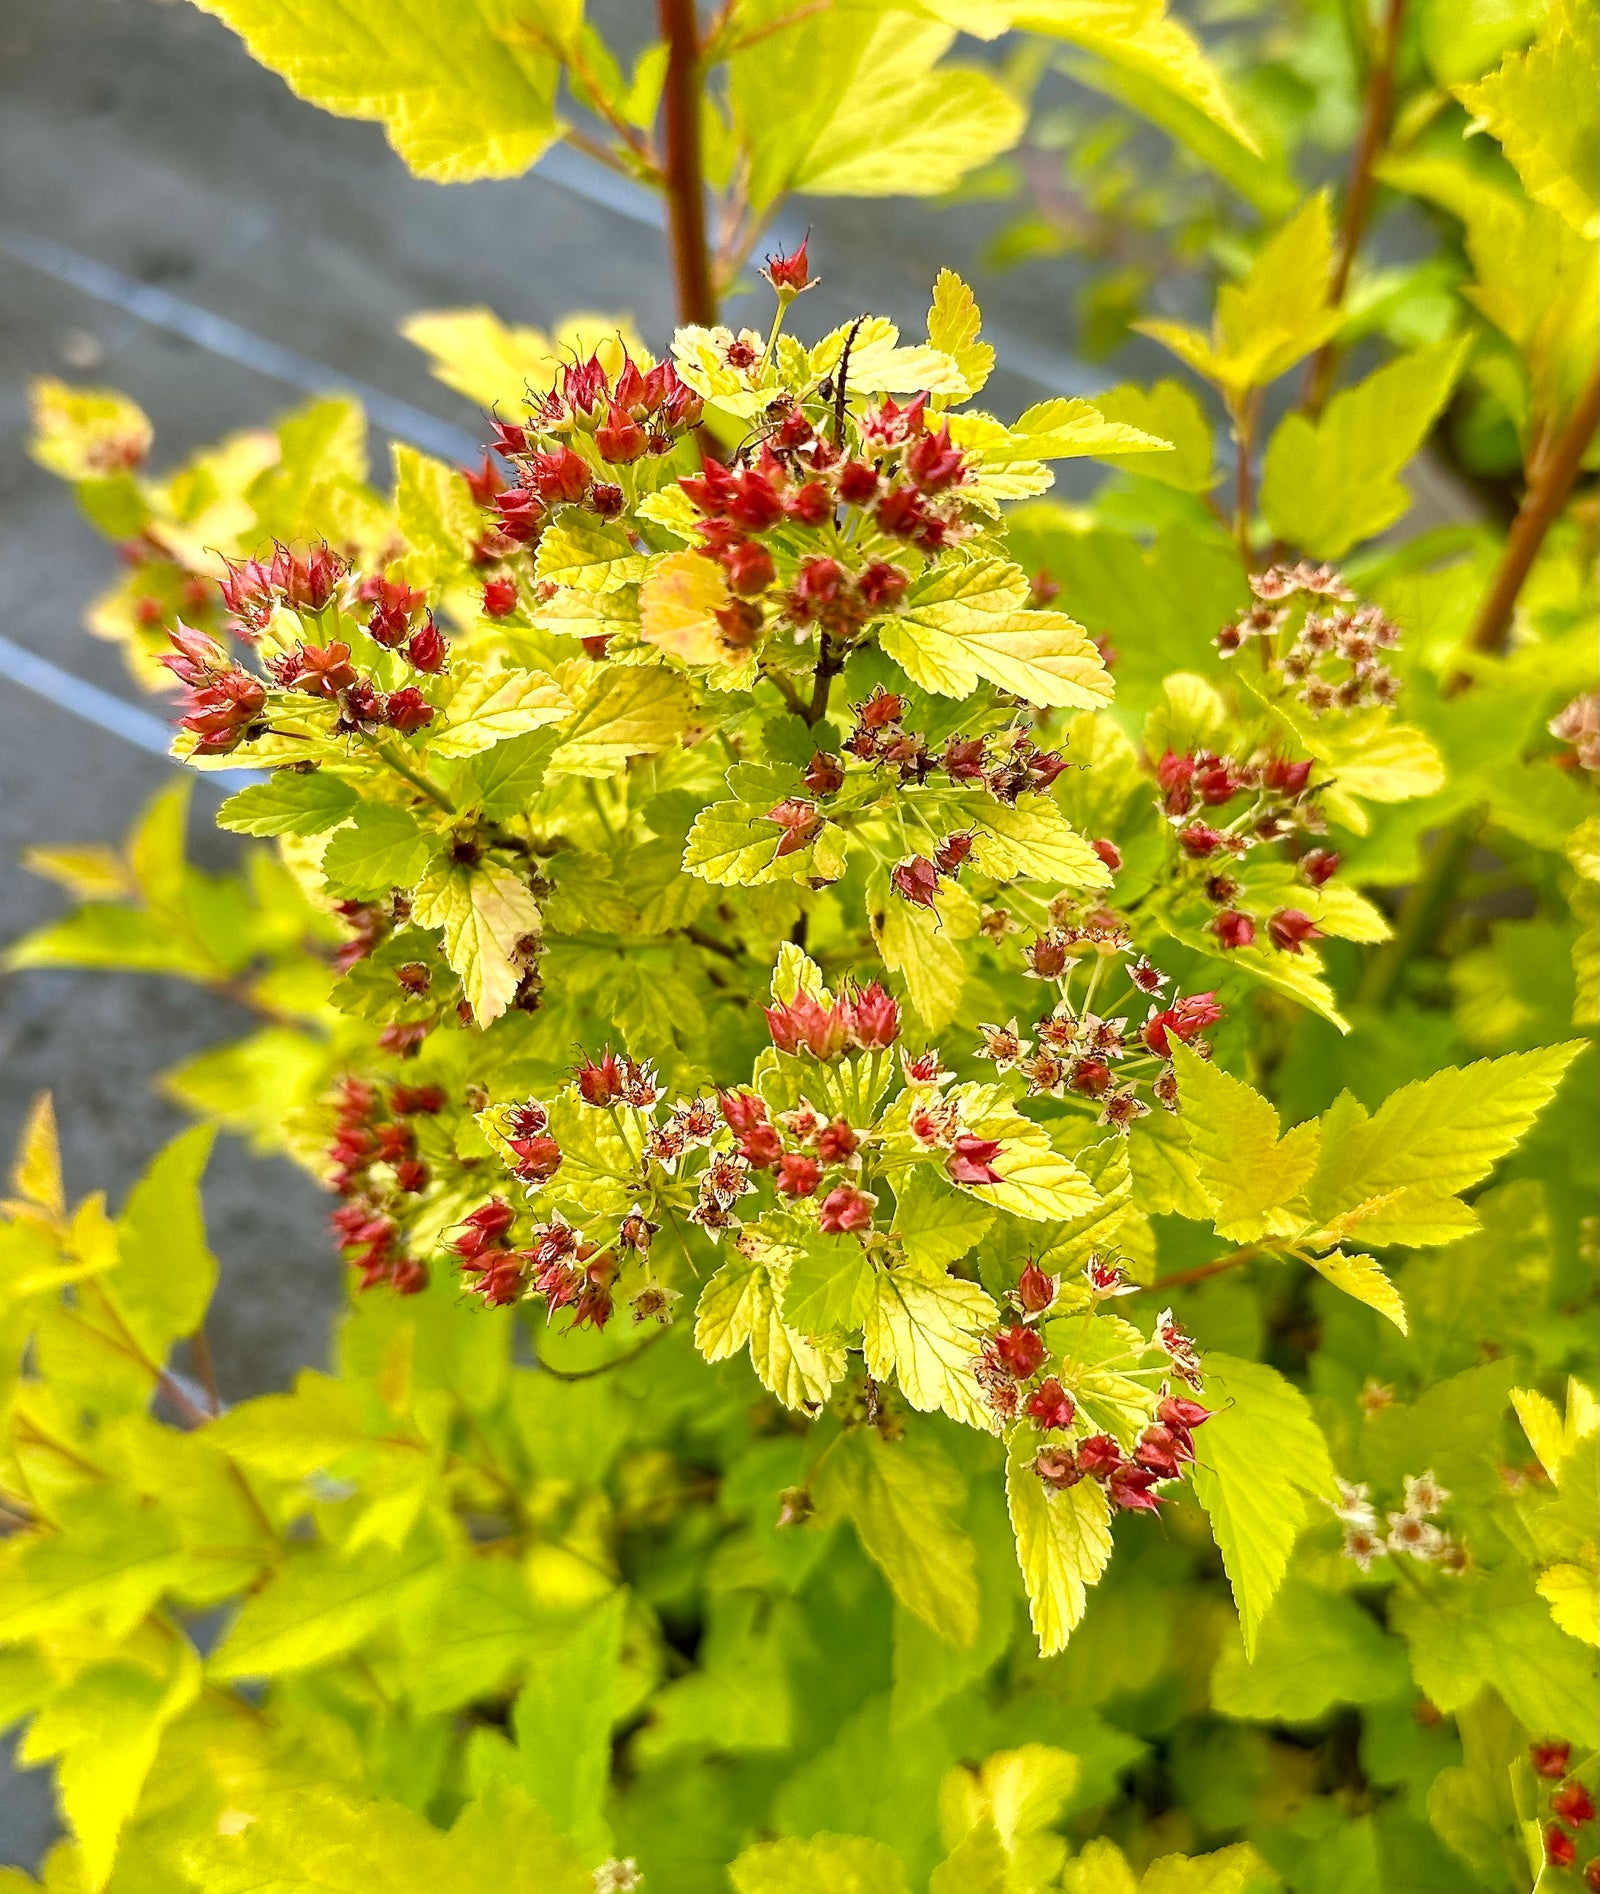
[(742, 1307), (485, 707), (1063, 1543), (925, 1334), (486, 911)]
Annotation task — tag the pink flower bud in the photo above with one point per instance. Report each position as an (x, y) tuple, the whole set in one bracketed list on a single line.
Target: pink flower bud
[(882, 586), (1035, 1290), (748, 567), (844, 1209), (1133, 1489), (970, 1160), (916, 881), (1057, 1467), (1199, 840), (428, 649), (856, 483), (1051, 1406), (1550, 1760), (1318, 866), (619, 437), (1285, 776), (824, 774), (1109, 853), (1233, 929), (799, 1175), (1019, 1350), (599, 1084), (799, 822), (1289, 930)]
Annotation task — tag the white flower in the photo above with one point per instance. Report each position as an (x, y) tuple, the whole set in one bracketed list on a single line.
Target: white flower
[(618, 1877), (1362, 1543), (1353, 1505), (1424, 1495), (1408, 1533)]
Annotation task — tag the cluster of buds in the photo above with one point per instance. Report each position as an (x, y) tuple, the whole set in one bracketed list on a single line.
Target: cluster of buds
[(303, 582), (576, 441), (222, 702), (1277, 801), (1332, 655), (375, 1168), (328, 672), (161, 589), (1008, 764), (801, 1148), (557, 1266), (613, 1080), (400, 620), (1412, 1530), (1569, 1808), (1103, 1058), (863, 1019), (1131, 1480)]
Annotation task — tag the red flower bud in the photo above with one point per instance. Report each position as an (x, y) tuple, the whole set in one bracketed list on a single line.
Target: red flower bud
[(1287, 778), (407, 1099), (1019, 1350), (742, 1111), (806, 1024), (1109, 853), (1560, 1850), (1035, 1290), (1162, 1450), (599, 1083), (1550, 1760), (1132, 1488), (1573, 1803), (1218, 782), (619, 437), (761, 1147), (428, 649), (411, 1174), (748, 567), (952, 853), (1052, 1406), (799, 1175), (1177, 1411), (809, 505), (538, 1158), (1199, 840), (408, 710), (872, 1017), (799, 822), (933, 462), (836, 1142), (500, 596), (1318, 866), (882, 586), (970, 1161), (1233, 929), (844, 1209), (916, 881), (790, 274), (1099, 1454), (1057, 1467), (856, 483), (824, 774), (1090, 1077), (1184, 1019), (559, 475), (1289, 930)]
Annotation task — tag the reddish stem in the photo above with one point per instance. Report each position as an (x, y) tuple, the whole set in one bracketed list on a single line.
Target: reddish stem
[(1550, 480), (1358, 194), (685, 176)]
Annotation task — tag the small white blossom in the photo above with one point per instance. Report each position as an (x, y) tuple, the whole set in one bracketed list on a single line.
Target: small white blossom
[(1424, 1495)]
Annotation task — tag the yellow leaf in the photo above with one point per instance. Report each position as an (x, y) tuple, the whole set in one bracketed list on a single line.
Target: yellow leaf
[(926, 1334), (954, 322), (486, 911), (486, 707), (741, 1307), (678, 603), (1572, 1592), (458, 94), (36, 1173), (1361, 1277), (620, 711), (487, 360), (1063, 1543), (968, 620), (87, 433)]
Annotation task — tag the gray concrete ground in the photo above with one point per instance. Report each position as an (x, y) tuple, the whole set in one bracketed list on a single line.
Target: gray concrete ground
[(139, 135)]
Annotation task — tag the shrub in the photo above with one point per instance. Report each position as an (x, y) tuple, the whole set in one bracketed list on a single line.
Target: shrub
[(954, 1119)]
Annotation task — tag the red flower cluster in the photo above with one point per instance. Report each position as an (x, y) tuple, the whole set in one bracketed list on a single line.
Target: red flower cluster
[(558, 1265), (222, 702), (866, 1018), (1161, 1453), (644, 412), (1571, 1806), (797, 1148), (368, 1142), (304, 583)]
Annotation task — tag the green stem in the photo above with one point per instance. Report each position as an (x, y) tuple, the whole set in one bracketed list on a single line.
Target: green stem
[(417, 778)]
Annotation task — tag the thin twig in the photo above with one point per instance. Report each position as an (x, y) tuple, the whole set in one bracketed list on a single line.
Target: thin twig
[(1184, 1277), (605, 1367), (1358, 190), (1550, 479)]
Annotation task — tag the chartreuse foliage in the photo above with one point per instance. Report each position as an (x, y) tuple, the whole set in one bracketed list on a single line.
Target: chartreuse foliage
[(870, 1032)]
